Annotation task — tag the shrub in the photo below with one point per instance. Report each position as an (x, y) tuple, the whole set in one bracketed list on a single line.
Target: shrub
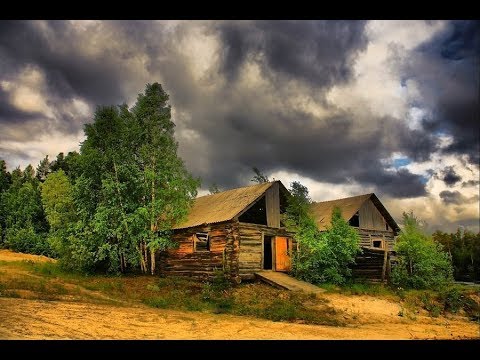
[(26, 240), (421, 262), (322, 256)]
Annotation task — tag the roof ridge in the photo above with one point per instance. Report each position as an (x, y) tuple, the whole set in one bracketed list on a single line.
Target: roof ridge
[(345, 198), (238, 188)]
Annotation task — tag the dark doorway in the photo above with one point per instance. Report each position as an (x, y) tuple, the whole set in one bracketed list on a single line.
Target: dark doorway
[(267, 253)]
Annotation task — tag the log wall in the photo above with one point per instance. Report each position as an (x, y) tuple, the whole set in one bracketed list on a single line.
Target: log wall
[(236, 248), (372, 265), (184, 261), (250, 258), (367, 235)]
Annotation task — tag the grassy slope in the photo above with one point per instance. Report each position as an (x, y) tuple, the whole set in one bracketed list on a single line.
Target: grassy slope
[(46, 281)]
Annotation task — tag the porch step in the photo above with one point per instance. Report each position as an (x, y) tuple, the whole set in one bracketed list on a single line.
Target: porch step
[(284, 281)]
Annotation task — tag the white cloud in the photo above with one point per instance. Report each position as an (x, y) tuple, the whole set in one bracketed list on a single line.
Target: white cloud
[(46, 144), (26, 91)]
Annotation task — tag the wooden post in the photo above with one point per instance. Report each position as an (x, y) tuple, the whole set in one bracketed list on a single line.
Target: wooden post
[(384, 268)]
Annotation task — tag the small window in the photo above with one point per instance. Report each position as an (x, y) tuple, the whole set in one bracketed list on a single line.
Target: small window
[(386, 226), (201, 242), (355, 220), (377, 244)]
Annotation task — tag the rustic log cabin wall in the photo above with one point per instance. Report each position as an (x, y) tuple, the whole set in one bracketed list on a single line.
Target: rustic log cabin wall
[(188, 260), (235, 248), (251, 247), (367, 237), (372, 265)]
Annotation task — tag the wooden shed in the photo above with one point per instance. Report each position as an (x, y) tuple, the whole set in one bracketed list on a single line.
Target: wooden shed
[(238, 231), (376, 227)]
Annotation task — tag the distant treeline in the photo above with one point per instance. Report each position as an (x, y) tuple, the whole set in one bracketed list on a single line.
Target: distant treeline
[(464, 248)]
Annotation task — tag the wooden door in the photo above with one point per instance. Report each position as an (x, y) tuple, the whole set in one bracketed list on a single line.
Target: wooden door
[(283, 250)]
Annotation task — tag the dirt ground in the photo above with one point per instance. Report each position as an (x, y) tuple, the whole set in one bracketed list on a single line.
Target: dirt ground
[(369, 318)]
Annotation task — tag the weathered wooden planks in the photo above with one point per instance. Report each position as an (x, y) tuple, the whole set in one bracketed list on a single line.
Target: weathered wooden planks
[(272, 204), (367, 235), (371, 265), (236, 248), (370, 217)]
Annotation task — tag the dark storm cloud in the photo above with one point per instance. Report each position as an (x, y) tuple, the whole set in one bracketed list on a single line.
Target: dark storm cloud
[(452, 197), (447, 69), (450, 177), (55, 49), (470, 183), (457, 198), (253, 131), (223, 127), (327, 150), (14, 153), (318, 52)]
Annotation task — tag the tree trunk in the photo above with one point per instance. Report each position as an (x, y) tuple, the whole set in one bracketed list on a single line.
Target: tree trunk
[(143, 266), (122, 267), (152, 261), (145, 256), (124, 262), (152, 218)]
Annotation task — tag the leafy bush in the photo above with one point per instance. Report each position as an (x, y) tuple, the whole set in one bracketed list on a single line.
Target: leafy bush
[(322, 256), (421, 262), (26, 240)]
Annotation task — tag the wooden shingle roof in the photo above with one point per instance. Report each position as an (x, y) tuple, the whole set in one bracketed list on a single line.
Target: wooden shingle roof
[(322, 211), (222, 206)]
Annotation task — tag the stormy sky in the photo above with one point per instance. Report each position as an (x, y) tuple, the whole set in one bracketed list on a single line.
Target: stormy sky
[(345, 107)]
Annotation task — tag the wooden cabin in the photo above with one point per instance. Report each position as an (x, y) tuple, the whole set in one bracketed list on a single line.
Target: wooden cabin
[(376, 227), (238, 231)]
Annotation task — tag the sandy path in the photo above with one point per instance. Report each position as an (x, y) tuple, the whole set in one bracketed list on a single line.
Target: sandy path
[(34, 319)]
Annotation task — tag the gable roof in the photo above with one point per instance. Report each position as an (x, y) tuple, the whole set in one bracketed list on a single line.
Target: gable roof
[(322, 211), (223, 206)]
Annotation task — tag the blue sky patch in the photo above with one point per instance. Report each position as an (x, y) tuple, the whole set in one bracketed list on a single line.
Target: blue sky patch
[(403, 161)]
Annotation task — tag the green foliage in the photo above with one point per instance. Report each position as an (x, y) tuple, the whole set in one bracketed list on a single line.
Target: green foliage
[(130, 185), (22, 204), (43, 169), (25, 239), (421, 262), (5, 182), (69, 164), (259, 177), (22, 218), (213, 189), (57, 200), (449, 299), (464, 248), (322, 256)]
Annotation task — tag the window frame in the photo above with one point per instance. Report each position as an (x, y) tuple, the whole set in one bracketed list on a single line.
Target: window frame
[(382, 243), (196, 239)]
